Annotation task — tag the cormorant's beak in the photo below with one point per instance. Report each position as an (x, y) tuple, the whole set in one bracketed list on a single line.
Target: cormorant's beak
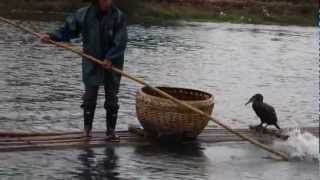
[(250, 100)]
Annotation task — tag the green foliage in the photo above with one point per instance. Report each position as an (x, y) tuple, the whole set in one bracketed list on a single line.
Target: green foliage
[(297, 12)]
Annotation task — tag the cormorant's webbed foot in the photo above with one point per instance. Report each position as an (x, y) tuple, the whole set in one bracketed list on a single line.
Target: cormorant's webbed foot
[(258, 128)]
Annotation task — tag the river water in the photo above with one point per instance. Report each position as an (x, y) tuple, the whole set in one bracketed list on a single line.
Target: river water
[(40, 91)]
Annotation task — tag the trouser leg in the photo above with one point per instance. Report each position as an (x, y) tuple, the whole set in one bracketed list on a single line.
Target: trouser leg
[(111, 106), (89, 106)]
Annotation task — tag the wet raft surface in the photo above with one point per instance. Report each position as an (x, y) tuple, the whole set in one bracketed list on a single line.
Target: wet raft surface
[(42, 141)]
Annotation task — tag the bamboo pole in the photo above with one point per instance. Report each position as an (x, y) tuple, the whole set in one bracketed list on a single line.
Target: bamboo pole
[(164, 94)]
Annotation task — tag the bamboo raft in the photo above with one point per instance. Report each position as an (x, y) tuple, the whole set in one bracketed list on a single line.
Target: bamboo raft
[(10, 142)]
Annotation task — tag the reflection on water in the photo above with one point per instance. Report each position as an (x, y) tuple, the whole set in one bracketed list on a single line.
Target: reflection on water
[(180, 161), (190, 161), (40, 90), (93, 168)]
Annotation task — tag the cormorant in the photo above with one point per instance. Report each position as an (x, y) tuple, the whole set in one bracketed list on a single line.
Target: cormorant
[(264, 111)]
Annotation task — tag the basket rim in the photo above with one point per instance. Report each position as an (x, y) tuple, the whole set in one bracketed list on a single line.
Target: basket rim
[(211, 97)]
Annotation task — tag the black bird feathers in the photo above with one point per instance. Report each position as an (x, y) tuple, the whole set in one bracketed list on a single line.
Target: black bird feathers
[(264, 111)]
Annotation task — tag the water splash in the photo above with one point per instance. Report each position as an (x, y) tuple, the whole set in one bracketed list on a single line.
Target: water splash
[(300, 145)]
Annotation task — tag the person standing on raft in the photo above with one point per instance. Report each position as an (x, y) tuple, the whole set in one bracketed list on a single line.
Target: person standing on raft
[(104, 35)]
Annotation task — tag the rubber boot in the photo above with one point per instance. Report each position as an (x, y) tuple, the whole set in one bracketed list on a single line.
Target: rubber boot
[(88, 115), (111, 119)]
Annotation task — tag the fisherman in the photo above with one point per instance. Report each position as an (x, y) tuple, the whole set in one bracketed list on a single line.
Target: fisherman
[(103, 28)]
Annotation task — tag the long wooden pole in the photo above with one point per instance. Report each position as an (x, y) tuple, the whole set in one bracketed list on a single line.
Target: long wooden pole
[(164, 94)]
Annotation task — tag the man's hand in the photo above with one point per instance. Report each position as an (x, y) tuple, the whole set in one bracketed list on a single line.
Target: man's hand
[(107, 63), (45, 37)]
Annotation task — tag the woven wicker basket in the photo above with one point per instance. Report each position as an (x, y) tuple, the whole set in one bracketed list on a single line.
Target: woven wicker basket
[(164, 119)]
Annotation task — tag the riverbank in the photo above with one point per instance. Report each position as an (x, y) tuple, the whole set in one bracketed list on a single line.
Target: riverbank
[(280, 12)]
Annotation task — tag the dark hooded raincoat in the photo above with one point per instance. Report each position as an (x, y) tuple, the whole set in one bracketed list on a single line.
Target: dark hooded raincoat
[(104, 36)]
